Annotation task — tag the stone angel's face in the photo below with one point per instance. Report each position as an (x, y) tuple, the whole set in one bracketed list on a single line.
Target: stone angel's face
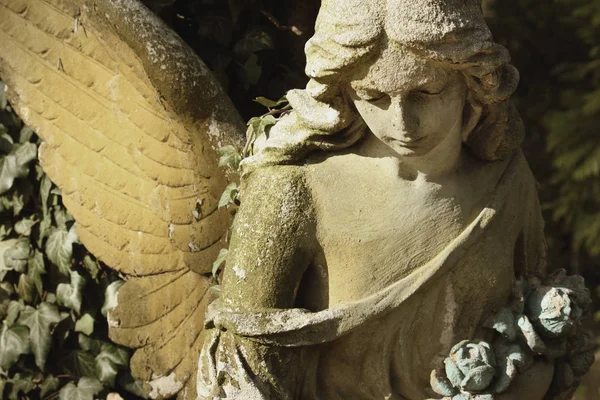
[(411, 104)]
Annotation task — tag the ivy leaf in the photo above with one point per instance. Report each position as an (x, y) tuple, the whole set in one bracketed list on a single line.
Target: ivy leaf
[(15, 164), (70, 294), (259, 126), (26, 289), (106, 370), (15, 257), (21, 382), (110, 296), (219, 261), (270, 103), (3, 98), (91, 266), (59, 248), (4, 246), (229, 195), (39, 321), (45, 186), (85, 324), (50, 384), (266, 102), (132, 385), (20, 196), (79, 363), (25, 153), (14, 309), (14, 341), (35, 270), (253, 42), (86, 389), (61, 216), (23, 227), (6, 141), (46, 222), (5, 230), (229, 157), (117, 354), (4, 302), (251, 71), (235, 8), (25, 134), (93, 346)]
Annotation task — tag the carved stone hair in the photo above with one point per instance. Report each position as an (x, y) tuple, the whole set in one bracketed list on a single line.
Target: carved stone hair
[(348, 33)]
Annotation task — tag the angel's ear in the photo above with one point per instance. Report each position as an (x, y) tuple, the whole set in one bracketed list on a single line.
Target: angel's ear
[(471, 116), (498, 132)]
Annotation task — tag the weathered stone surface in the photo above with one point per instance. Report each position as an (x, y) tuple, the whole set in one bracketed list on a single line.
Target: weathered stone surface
[(389, 243)]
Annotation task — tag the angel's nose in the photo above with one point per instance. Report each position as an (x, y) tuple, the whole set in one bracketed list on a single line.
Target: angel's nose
[(405, 118)]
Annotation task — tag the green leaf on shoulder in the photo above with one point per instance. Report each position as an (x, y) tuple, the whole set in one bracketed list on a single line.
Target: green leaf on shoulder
[(270, 103), (229, 195), (229, 157), (219, 261)]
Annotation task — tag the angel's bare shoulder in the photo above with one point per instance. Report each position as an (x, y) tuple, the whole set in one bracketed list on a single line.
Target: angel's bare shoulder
[(273, 239)]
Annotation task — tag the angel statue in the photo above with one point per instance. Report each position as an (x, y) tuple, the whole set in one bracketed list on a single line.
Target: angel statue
[(389, 243)]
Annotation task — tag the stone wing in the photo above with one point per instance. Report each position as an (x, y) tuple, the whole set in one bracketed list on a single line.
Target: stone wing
[(131, 119)]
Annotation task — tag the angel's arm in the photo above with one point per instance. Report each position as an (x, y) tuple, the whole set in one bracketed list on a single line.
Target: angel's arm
[(273, 240)]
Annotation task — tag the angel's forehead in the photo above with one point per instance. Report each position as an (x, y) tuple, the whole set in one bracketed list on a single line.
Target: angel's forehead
[(398, 70)]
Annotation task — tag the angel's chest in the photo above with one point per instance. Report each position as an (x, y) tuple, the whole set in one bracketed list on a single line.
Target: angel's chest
[(386, 224), (375, 233)]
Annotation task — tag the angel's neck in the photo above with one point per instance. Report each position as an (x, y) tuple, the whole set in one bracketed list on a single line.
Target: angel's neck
[(438, 164)]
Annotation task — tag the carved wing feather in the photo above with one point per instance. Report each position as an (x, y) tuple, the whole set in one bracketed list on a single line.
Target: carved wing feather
[(132, 148)]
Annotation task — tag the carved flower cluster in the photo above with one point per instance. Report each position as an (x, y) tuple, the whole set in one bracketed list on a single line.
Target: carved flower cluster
[(543, 319), (478, 371), (544, 316), (471, 367)]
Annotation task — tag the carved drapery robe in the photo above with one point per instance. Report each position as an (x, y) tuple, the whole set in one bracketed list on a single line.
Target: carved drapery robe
[(385, 345)]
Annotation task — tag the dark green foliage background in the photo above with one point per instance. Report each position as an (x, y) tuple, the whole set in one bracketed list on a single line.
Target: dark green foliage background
[(255, 48)]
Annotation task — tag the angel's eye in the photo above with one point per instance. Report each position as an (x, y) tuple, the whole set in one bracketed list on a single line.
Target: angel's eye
[(375, 97), (430, 91)]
